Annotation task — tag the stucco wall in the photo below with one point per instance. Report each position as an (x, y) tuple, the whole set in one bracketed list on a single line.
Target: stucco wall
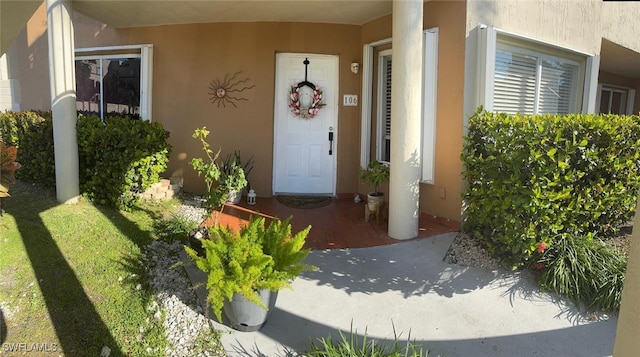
[(616, 19), (443, 198), (188, 57), (556, 21)]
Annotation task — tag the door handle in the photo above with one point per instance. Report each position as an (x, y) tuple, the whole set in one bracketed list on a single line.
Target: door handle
[(331, 143)]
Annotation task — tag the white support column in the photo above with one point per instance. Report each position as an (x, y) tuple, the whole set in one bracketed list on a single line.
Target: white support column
[(63, 98), (406, 112), (627, 343)]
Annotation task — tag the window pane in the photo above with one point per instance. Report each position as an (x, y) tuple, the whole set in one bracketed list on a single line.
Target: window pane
[(88, 86), (514, 82), (121, 86), (605, 98), (386, 109), (619, 102), (556, 87)]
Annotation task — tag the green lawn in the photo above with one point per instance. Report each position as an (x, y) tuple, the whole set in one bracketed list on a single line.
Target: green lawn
[(71, 277)]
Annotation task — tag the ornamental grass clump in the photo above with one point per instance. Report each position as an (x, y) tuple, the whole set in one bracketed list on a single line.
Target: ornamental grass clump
[(585, 270), (351, 346)]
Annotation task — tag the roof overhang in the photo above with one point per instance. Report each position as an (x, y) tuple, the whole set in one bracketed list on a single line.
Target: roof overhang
[(142, 13), (619, 60)]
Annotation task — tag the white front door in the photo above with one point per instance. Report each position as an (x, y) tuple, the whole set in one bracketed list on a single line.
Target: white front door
[(304, 157)]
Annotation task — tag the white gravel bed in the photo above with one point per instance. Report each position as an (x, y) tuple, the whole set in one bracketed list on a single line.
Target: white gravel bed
[(189, 332), (467, 251)]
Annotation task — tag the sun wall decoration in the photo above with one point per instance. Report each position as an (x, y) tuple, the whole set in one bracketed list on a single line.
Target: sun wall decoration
[(227, 90)]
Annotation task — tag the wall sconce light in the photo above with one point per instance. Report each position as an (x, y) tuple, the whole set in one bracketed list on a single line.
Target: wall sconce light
[(355, 66)]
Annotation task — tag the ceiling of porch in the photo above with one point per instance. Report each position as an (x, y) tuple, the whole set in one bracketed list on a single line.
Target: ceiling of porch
[(137, 13), (619, 60)]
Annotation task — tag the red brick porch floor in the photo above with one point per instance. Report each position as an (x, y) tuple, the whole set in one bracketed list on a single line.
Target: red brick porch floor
[(340, 224)]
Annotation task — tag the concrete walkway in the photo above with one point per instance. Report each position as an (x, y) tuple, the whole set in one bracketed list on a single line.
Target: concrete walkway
[(449, 309)]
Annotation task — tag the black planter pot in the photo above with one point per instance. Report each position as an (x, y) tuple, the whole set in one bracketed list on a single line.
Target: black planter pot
[(243, 315)]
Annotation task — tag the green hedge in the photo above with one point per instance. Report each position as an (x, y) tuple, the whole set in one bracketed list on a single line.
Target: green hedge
[(117, 159), (534, 179), (120, 158), (14, 125), (35, 153)]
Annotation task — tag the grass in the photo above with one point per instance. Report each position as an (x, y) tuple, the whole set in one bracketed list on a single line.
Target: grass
[(353, 346), (71, 276)]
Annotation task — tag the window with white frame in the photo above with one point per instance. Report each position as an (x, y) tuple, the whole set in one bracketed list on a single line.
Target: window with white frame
[(114, 80), (383, 120), (529, 82), (526, 76), (615, 99), (383, 147)]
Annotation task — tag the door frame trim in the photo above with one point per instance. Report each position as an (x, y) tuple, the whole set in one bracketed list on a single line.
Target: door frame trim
[(335, 98)]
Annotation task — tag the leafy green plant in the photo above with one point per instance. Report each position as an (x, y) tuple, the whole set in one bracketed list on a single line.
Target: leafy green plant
[(14, 125), (540, 178), (351, 346), (120, 158), (36, 153), (375, 175), (251, 259), (584, 270), (117, 159), (216, 194), (234, 173)]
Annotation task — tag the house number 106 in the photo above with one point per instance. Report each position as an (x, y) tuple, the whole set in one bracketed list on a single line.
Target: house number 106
[(350, 100)]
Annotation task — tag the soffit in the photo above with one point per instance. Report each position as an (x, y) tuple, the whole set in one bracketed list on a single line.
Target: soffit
[(140, 13), (619, 60)]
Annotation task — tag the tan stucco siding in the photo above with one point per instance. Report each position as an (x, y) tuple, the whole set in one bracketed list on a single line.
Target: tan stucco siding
[(449, 17), (559, 22), (617, 18), (188, 57)]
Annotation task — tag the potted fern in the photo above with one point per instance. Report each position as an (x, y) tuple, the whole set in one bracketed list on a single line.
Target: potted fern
[(246, 269), (376, 174)]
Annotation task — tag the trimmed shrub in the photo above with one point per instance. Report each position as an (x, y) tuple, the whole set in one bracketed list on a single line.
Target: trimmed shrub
[(117, 159), (14, 125), (36, 153), (536, 179), (120, 158)]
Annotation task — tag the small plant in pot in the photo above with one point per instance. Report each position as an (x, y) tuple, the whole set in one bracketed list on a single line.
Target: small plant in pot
[(246, 268), (375, 175), (234, 174)]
